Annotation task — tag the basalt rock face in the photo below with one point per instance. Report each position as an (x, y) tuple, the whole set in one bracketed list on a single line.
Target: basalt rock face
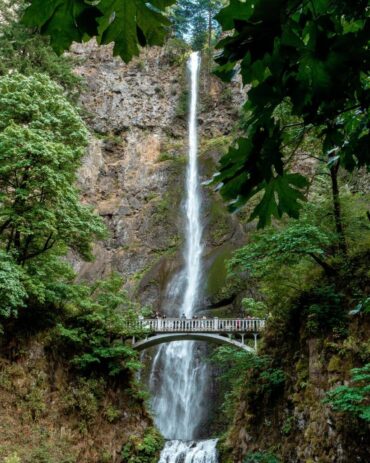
[(293, 421), (134, 171)]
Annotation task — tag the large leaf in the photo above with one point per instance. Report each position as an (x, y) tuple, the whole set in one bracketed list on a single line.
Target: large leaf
[(283, 195), (313, 57), (127, 23)]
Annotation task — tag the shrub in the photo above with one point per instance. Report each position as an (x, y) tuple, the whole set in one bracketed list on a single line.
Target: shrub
[(94, 337), (325, 310), (260, 457), (242, 369), (353, 399), (143, 449), (12, 290), (13, 458)]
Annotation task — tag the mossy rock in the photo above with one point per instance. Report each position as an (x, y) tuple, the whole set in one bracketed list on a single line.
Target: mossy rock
[(217, 273), (335, 364)]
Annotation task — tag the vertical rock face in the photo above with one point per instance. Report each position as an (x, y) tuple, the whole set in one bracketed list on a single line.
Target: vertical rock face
[(133, 173)]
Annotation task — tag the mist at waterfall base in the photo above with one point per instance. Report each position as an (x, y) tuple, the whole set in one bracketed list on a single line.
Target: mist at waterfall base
[(179, 393)]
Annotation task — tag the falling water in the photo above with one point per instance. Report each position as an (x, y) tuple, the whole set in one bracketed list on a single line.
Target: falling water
[(179, 394)]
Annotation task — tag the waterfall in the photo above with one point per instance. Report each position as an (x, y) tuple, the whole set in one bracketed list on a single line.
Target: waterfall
[(179, 394)]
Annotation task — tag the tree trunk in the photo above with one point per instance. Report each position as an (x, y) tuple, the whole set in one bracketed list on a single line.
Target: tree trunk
[(342, 245), (209, 29), (209, 51)]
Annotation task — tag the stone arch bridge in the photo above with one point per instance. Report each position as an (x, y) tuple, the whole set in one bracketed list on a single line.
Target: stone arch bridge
[(216, 330)]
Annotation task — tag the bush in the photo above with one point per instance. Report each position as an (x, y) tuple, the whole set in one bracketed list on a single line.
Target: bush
[(94, 337), (13, 458), (12, 290), (354, 399), (325, 310), (84, 398), (144, 449), (260, 457), (243, 370)]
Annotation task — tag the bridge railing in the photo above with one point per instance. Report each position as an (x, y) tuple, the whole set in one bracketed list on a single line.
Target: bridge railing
[(209, 325)]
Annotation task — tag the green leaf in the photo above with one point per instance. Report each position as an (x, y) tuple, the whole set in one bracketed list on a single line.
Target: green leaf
[(58, 20), (127, 23), (236, 10), (282, 195), (118, 25)]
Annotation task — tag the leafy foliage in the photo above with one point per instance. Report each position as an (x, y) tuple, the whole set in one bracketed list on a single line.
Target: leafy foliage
[(128, 24), (244, 371), (194, 20), (254, 308), (260, 457), (143, 449), (324, 307), (12, 288), (95, 336), (42, 139), (294, 264), (313, 59), (27, 52), (355, 398), (276, 247)]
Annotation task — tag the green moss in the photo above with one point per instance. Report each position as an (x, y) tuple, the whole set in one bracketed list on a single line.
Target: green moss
[(218, 144), (224, 449), (182, 104), (174, 157), (219, 221), (217, 273), (302, 373), (335, 364)]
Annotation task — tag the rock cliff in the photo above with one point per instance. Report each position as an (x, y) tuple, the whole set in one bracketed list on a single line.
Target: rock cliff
[(134, 171)]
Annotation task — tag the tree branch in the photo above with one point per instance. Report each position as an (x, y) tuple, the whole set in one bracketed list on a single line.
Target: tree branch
[(329, 270)]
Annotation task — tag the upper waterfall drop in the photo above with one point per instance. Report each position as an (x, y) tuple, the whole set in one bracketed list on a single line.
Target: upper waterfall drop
[(193, 247)]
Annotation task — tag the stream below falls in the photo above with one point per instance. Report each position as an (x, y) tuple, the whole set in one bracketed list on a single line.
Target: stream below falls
[(179, 377)]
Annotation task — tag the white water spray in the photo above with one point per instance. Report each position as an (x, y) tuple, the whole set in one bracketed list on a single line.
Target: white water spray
[(179, 393), (193, 249)]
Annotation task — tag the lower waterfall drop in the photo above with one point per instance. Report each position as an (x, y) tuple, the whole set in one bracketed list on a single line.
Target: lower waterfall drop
[(176, 451), (179, 395)]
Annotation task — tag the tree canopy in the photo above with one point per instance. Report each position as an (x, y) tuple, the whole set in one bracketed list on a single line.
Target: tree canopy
[(312, 57), (193, 20), (42, 139)]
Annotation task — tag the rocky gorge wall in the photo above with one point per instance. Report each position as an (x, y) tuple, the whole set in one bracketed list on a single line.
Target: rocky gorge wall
[(51, 415), (293, 422), (134, 172)]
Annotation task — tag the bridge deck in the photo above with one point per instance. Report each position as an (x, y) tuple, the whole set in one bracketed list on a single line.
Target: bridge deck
[(209, 325)]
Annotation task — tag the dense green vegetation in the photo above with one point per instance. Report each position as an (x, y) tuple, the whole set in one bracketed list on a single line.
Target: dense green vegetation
[(195, 19), (302, 144), (312, 64), (143, 450), (263, 377), (42, 141), (354, 399), (128, 24), (26, 52)]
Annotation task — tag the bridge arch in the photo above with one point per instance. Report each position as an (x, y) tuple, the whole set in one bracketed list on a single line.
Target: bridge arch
[(208, 337)]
